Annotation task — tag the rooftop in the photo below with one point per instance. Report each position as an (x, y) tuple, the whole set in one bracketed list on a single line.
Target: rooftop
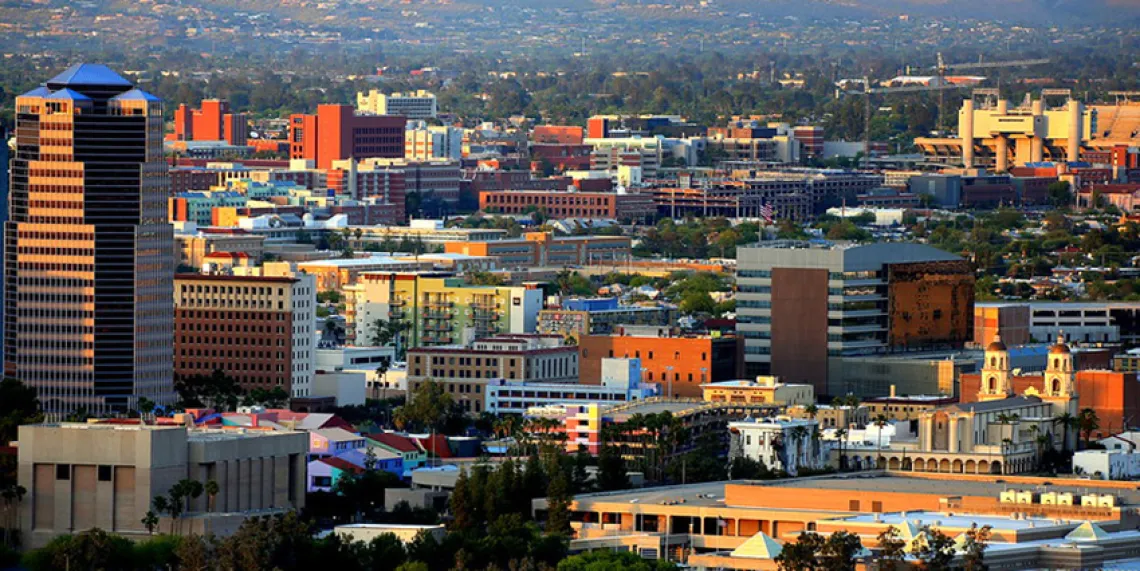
[(88, 74)]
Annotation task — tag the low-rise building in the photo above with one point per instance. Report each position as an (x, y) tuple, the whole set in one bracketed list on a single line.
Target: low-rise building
[(621, 383), (1107, 464), (781, 444), (83, 476), (570, 204), (601, 316), (764, 390), (681, 363), (465, 372), (545, 249)]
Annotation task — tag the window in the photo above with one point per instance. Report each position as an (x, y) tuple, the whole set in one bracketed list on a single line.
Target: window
[(104, 473), (322, 481), (62, 472)]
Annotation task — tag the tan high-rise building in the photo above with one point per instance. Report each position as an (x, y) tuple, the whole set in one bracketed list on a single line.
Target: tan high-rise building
[(89, 254)]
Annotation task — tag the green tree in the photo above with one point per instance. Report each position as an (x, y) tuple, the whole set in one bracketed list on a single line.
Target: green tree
[(430, 407), (558, 504), (612, 473), (936, 552), (801, 554), (892, 549), (607, 560), (974, 550), (462, 517), (1088, 422)]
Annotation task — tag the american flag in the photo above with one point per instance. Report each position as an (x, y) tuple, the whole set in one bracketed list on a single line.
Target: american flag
[(766, 212)]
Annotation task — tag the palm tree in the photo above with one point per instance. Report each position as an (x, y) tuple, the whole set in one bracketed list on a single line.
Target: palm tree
[(798, 434), (162, 505), (841, 434), (1088, 422), (12, 496), (811, 410), (1067, 421), (881, 421), (211, 489)]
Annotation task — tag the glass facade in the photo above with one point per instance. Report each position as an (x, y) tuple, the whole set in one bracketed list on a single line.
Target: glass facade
[(89, 256)]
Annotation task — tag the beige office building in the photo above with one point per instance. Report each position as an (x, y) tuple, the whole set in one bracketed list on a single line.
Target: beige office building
[(82, 476)]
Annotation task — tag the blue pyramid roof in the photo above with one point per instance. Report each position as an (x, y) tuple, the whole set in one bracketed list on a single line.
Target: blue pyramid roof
[(40, 91), (89, 74), (66, 93), (135, 94)]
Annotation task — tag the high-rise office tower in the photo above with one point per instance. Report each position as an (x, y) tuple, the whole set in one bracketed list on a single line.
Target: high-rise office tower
[(89, 255)]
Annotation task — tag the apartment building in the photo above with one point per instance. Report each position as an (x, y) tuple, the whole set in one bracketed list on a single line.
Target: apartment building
[(257, 329), (801, 304), (545, 249), (437, 308), (601, 316), (418, 104), (83, 476), (466, 371), (1083, 322)]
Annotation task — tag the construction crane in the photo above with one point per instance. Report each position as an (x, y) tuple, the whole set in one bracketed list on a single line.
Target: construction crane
[(942, 68), (868, 91)]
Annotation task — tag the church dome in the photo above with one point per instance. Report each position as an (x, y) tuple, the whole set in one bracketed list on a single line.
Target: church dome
[(1060, 348), (997, 345)]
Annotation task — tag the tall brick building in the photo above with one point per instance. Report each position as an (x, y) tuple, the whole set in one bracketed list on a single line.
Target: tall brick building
[(257, 329), (336, 133)]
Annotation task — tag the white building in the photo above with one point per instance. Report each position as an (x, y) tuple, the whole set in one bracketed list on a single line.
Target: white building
[(780, 443), (423, 142), (415, 105), (1107, 464), (620, 384)]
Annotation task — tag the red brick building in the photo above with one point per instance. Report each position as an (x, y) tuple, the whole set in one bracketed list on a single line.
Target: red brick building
[(258, 330), (212, 122), (562, 204), (337, 133)]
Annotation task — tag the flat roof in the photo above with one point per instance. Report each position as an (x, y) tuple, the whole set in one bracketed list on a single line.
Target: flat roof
[(958, 520)]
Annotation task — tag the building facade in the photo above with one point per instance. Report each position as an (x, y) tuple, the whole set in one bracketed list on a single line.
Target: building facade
[(415, 105), (466, 372), (88, 316), (437, 308), (433, 142), (85, 476), (566, 204), (800, 304), (256, 329), (781, 444), (538, 249), (336, 133), (679, 363), (213, 121)]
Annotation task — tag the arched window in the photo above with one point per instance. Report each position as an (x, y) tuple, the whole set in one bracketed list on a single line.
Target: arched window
[(1056, 363), (993, 384), (1056, 386), (993, 361)]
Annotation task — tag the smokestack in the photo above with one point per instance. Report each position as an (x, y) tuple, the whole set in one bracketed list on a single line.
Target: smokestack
[(1037, 144), (1076, 114), (966, 132)]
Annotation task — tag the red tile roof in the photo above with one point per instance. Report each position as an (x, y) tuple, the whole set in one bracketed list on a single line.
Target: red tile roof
[(437, 447), (394, 441), (343, 465)]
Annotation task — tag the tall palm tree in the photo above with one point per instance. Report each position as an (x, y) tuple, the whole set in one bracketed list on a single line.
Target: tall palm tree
[(841, 434), (1088, 422), (811, 410), (1067, 422), (880, 422), (798, 434)]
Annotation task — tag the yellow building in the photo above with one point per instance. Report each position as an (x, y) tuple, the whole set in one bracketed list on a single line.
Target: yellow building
[(764, 390), (437, 308)]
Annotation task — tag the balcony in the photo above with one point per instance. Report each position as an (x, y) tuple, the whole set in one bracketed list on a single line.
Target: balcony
[(441, 339), (397, 314), (435, 314), (445, 326), (485, 316), (439, 303)]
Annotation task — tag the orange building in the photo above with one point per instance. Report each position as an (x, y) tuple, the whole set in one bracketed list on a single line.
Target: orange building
[(1114, 396), (557, 135), (1010, 321), (336, 133), (212, 122), (682, 362)]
